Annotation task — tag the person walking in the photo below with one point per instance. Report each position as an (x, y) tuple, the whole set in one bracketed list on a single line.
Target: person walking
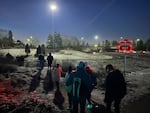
[(92, 74), (69, 88), (55, 77), (41, 61), (115, 88), (59, 70), (50, 59), (81, 85)]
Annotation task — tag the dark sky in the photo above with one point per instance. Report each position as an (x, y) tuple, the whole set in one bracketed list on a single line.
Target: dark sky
[(109, 19)]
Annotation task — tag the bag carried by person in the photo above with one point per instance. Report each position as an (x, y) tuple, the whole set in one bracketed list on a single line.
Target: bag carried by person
[(96, 108)]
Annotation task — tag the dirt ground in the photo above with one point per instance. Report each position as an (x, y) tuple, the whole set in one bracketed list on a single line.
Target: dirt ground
[(137, 79), (140, 106)]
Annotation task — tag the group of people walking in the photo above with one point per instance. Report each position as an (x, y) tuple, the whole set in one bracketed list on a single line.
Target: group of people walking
[(42, 60), (80, 82), (79, 85)]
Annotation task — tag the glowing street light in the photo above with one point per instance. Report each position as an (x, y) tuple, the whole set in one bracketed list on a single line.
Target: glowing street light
[(96, 37), (82, 38), (121, 38), (137, 40), (28, 40), (53, 7), (96, 43)]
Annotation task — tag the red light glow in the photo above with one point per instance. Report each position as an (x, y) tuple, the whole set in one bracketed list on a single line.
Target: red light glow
[(125, 46)]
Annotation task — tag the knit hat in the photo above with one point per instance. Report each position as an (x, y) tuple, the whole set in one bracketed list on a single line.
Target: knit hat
[(109, 67), (81, 64)]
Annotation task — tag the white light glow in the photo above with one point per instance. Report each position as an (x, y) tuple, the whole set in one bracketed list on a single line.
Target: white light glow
[(53, 7), (96, 37)]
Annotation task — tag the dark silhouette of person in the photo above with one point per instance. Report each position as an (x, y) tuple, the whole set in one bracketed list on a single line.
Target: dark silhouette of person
[(94, 81), (42, 60), (50, 59), (27, 49), (38, 51), (81, 83), (115, 88)]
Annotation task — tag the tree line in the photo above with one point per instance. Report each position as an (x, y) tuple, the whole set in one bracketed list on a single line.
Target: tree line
[(57, 41)]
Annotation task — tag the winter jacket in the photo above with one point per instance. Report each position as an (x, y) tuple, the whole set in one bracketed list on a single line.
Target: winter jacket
[(59, 71), (68, 87), (85, 81), (50, 59), (115, 85), (55, 75)]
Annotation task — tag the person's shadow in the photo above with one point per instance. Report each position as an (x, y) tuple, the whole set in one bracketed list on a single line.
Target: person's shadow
[(35, 81), (58, 99), (48, 82)]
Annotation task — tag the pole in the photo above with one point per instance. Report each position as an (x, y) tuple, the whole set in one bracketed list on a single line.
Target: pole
[(125, 64), (53, 29)]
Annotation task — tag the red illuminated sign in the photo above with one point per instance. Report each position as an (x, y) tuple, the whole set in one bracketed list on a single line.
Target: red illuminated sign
[(125, 46)]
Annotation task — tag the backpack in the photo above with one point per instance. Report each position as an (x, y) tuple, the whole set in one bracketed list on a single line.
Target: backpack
[(76, 86)]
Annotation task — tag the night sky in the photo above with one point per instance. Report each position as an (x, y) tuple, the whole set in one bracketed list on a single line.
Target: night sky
[(109, 19)]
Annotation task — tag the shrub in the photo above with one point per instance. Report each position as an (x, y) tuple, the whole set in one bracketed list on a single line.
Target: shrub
[(5, 68)]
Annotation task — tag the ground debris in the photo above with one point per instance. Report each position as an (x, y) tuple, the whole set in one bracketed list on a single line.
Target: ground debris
[(15, 101), (25, 107)]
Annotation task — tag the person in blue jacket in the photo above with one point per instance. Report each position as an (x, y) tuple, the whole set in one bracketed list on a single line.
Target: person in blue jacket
[(81, 86)]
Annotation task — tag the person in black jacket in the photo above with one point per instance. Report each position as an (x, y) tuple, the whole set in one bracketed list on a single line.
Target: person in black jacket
[(50, 60), (42, 60), (115, 88)]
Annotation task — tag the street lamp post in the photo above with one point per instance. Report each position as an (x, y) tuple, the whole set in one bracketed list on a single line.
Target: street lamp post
[(96, 44), (96, 37), (82, 41), (137, 40), (53, 8)]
